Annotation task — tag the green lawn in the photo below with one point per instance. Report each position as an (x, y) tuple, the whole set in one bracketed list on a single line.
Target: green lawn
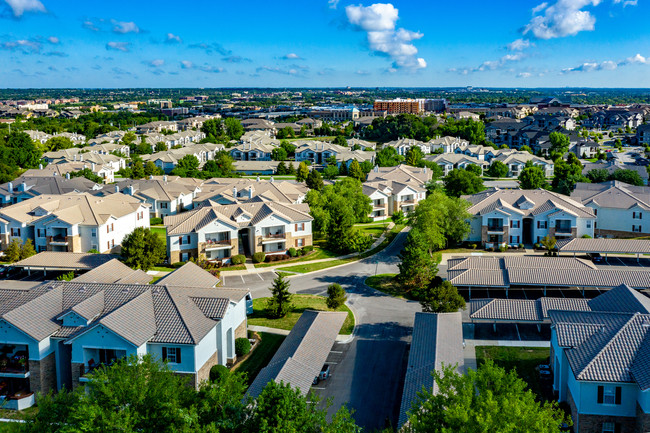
[(12, 414), (301, 303), (261, 356), (161, 231), (317, 254), (233, 268), (522, 359), (385, 283), (163, 269)]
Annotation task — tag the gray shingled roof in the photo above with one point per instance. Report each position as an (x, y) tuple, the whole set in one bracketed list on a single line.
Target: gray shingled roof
[(604, 246), (303, 353), (114, 271), (58, 260), (189, 275), (437, 340), (623, 299)]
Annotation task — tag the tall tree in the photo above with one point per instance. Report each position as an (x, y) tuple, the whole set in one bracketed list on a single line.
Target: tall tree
[(12, 253), (388, 157), (462, 182), (142, 249), (355, 171), (59, 143), (278, 154), (414, 156), (532, 178), (559, 144), (303, 172), (484, 400), (315, 180), (497, 169), (441, 298), (279, 304), (418, 266), (234, 128)]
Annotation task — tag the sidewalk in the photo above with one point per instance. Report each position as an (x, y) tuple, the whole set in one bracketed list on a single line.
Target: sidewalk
[(250, 268)]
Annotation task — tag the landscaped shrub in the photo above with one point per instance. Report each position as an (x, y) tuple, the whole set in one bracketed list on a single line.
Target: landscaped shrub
[(335, 296), (238, 259), (586, 237), (218, 371), (302, 251), (259, 257), (521, 245), (155, 221), (503, 248), (293, 252), (308, 248), (473, 246), (242, 346), (178, 264), (276, 258)]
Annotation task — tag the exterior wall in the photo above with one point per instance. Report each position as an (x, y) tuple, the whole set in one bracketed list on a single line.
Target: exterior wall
[(75, 370), (203, 374), (122, 227), (242, 329), (99, 337), (187, 356), (42, 374), (614, 221)]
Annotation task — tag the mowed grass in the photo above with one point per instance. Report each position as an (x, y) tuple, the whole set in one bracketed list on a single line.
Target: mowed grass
[(301, 303), (386, 283), (261, 356), (522, 359), (317, 254), (161, 232)]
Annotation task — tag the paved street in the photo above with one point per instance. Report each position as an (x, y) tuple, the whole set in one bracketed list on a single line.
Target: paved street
[(369, 376)]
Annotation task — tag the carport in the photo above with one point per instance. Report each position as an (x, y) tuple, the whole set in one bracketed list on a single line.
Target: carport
[(50, 261), (604, 246)]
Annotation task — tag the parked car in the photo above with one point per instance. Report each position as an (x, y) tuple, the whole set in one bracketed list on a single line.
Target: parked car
[(324, 372), (7, 271), (595, 257)]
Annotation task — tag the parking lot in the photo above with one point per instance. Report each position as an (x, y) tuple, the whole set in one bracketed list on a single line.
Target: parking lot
[(625, 262), (247, 279)]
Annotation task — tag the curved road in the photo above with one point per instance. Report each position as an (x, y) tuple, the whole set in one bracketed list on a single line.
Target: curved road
[(368, 378)]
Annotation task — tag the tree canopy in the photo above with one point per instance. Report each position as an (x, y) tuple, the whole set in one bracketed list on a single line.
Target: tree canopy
[(533, 178), (462, 182), (143, 249)]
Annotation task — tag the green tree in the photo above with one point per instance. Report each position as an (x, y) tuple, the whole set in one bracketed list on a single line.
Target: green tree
[(315, 180), (20, 151), (234, 128), (532, 178), (279, 304), (549, 242), (598, 175), (213, 129), (279, 154), (188, 162), (526, 148), (161, 147), (473, 168), (137, 169), (388, 157), (418, 266), (223, 165), (142, 249), (58, 143), (355, 171), (628, 176), (151, 169), (340, 140), (27, 249), (281, 169), (414, 156), (88, 174), (288, 147), (286, 132), (303, 172), (484, 400), (497, 169), (335, 296), (462, 182), (559, 144), (12, 253), (129, 138), (331, 171), (441, 298)]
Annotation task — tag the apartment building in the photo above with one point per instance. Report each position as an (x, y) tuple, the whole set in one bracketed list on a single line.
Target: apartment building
[(73, 222), (217, 232), (513, 217), (399, 106), (392, 189)]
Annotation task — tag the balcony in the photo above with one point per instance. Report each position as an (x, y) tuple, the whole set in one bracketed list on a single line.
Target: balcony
[(57, 240), (379, 206), (14, 362), (215, 244), (495, 229), (407, 202)]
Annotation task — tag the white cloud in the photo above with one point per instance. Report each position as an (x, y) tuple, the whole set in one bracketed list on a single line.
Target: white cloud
[(186, 64), (626, 3), (19, 7), (608, 65), (292, 56), (378, 20), (173, 39), (212, 69), (562, 18), (22, 45), (118, 46), (333, 3), (53, 40), (518, 45), (156, 63), (125, 27), (524, 75)]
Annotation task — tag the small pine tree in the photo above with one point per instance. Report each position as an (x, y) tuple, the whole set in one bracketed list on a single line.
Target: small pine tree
[(443, 298), (335, 296), (27, 250), (12, 253), (303, 172), (315, 180), (279, 304)]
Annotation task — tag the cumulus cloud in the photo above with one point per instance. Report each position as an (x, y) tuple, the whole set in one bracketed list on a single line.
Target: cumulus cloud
[(524, 75), (607, 65), (53, 40), (89, 25), (24, 46), (186, 64), (124, 27), (491, 65), (626, 3), (291, 56), (118, 46), (55, 54), (518, 45), (560, 19), (378, 21), (362, 72), (156, 63), (19, 7), (173, 39)]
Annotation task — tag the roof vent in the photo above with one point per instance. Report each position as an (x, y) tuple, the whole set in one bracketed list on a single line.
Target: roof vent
[(82, 289), (125, 290)]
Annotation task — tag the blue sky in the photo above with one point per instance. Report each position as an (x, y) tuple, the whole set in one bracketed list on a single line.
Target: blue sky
[(321, 43)]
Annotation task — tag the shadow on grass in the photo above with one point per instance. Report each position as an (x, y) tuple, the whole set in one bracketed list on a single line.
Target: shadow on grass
[(260, 357)]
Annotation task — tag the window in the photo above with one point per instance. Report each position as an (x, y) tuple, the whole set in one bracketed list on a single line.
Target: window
[(93, 233), (110, 228), (637, 215), (588, 224), (636, 229), (609, 394), (15, 232), (172, 354), (514, 224), (41, 233), (300, 242), (542, 224), (596, 212), (609, 427), (300, 227), (163, 205)]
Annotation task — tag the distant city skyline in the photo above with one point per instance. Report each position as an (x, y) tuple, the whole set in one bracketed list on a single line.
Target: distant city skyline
[(325, 43)]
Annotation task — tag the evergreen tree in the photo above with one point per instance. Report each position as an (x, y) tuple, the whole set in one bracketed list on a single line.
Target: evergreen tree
[(12, 253), (315, 180), (279, 304), (27, 249), (356, 172), (441, 298), (303, 172), (335, 296)]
